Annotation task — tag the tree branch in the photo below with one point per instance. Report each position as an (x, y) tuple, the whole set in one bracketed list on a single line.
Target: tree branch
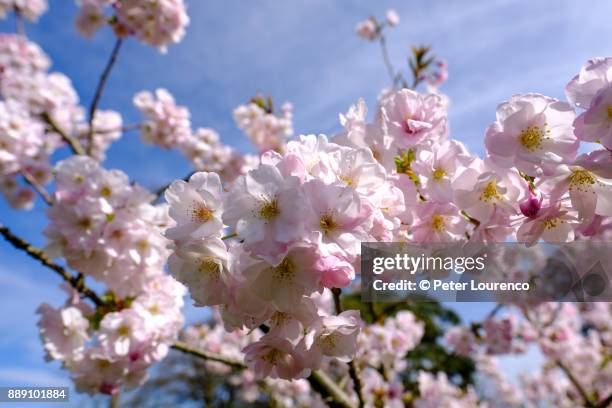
[(37, 186), (325, 386), (353, 369), (387, 60), (319, 381), (99, 90), (604, 403), (74, 144), (125, 128), (115, 400), (75, 281), (19, 23), (207, 355), (588, 401)]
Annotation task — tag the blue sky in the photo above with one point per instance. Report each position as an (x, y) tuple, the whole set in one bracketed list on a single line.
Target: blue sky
[(299, 51)]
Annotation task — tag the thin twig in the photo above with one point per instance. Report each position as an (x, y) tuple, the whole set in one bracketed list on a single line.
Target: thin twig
[(207, 355), (36, 253), (125, 128), (99, 90), (19, 22), (37, 186), (353, 369), (495, 310), (387, 60), (115, 398), (325, 386), (74, 144), (588, 401)]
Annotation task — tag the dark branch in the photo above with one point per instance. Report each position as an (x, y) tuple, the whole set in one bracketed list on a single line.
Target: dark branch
[(207, 355), (604, 403), (75, 281), (74, 144), (37, 186), (588, 401), (319, 381), (19, 22), (353, 369), (99, 90)]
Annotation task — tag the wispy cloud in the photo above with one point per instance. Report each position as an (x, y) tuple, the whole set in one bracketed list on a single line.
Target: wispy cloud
[(32, 377)]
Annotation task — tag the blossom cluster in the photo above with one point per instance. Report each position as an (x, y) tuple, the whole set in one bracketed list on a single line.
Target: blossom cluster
[(298, 218), (212, 337), (26, 91), (558, 331), (168, 125), (371, 28), (381, 357), (156, 23), (282, 259), (271, 241), (37, 110), (266, 130), (30, 9), (107, 229)]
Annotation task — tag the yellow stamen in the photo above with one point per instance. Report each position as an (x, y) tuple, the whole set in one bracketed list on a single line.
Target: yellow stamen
[(437, 222), (269, 210), (285, 270), (201, 213), (438, 174), (210, 267), (327, 223), (581, 179), (106, 191), (489, 193), (531, 137), (552, 222), (347, 179)]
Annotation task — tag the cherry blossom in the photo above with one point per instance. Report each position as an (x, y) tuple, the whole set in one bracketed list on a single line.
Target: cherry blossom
[(532, 132), (157, 24), (265, 129), (412, 118), (167, 123), (269, 243), (30, 9)]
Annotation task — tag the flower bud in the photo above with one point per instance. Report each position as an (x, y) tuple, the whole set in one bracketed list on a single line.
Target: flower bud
[(531, 206)]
